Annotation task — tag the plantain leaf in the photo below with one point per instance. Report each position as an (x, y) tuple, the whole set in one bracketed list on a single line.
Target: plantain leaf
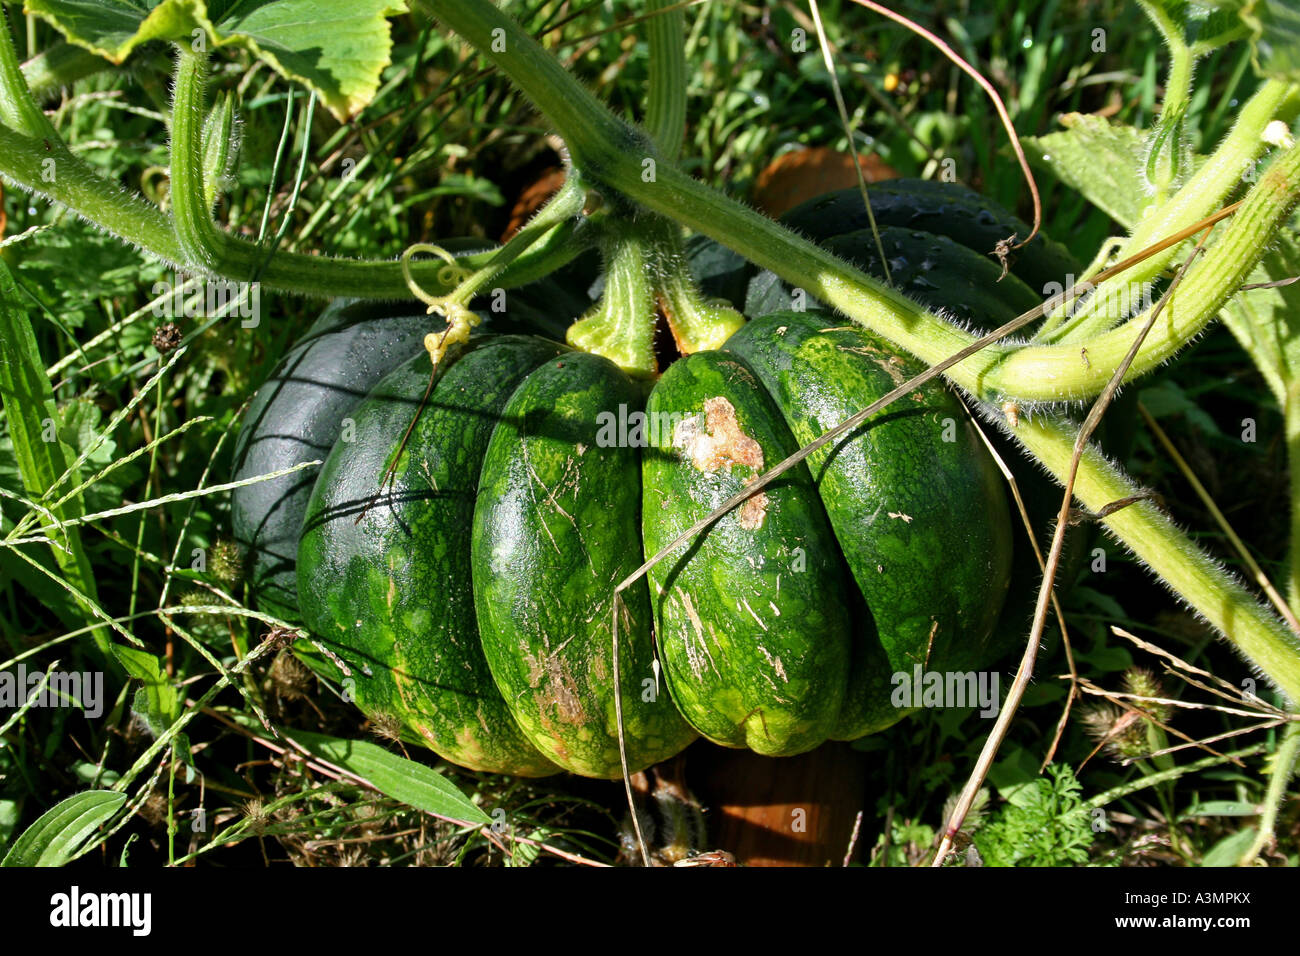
[(1230, 849), (1222, 808), (412, 783), (59, 832), (336, 47)]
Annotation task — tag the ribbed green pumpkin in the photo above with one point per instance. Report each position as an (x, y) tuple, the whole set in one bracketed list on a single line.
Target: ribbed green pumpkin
[(470, 599)]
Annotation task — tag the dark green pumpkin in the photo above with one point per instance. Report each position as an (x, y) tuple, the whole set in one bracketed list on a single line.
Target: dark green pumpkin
[(297, 416), (470, 603), (917, 505), (556, 528), (933, 270), (384, 571), (942, 209), (752, 615)]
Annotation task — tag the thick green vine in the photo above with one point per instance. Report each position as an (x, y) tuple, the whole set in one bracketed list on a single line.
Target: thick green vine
[(34, 157), (617, 155), (1222, 172)]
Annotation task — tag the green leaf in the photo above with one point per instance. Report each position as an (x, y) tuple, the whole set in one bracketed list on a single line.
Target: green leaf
[(126, 847), (220, 147), (1103, 161), (157, 701), (1267, 321), (336, 47), (1038, 694), (1204, 25), (1015, 774), (89, 773), (1222, 808), (32, 418), (1229, 850), (55, 838), (79, 430), (1274, 37), (1085, 596), (8, 819), (412, 783), (1167, 398), (1046, 825), (1106, 659)]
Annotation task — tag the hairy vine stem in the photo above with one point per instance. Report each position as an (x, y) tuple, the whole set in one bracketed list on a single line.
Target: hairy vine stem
[(142, 224), (666, 107), (1026, 670), (201, 241), (34, 157), (1222, 172)]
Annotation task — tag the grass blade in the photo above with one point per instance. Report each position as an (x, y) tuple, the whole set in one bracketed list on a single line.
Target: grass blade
[(29, 406)]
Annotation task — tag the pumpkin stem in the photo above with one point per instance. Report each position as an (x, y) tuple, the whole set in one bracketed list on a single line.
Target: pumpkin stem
[(621, 326), (697, 322)]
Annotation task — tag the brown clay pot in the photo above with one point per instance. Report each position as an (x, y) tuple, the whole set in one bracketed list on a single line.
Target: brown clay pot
[(781, 811), (801, 174), (532, 198)]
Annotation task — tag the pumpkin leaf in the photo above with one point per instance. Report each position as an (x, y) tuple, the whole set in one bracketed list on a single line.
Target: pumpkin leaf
[(335, 47), (1101, 160), (1266, 321), (59, 832), (1205, 25)]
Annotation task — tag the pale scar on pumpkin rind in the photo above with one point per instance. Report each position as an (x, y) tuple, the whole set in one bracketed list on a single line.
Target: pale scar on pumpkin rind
[(720, 444), (557, 688)]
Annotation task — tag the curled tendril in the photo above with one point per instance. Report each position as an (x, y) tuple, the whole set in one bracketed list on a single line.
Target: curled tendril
[(450, 274), (460, 320)]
